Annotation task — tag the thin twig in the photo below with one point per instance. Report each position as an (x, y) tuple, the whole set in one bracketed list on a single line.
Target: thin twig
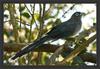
[(33, 17), (51, 60), (20, 15), (28, 10), (69, 9)]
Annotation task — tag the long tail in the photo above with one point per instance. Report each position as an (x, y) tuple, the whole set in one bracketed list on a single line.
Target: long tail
[(31, 47)]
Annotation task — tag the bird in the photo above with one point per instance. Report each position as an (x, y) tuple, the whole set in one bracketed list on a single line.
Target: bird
[(61, 31)]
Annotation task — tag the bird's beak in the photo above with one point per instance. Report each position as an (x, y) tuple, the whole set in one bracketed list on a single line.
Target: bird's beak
[(83, 14)]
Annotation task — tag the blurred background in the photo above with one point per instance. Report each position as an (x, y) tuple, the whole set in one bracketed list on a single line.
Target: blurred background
[(24, 23)]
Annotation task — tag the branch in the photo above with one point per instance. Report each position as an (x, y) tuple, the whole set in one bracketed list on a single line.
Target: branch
[(14, 47), (90, 57), (78, 50), (11, 8)]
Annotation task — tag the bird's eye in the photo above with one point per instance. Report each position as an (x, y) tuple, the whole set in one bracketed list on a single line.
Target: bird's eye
[(77, 14)]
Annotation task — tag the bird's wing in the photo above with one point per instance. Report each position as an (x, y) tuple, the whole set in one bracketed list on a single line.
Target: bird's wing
[(63, 29)]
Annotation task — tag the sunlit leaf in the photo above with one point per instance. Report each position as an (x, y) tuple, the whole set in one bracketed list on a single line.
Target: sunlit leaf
[(36, 16)]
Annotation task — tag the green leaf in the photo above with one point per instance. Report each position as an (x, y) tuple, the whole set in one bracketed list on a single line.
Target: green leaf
[(36, 16), (25, 14), (94, 47)]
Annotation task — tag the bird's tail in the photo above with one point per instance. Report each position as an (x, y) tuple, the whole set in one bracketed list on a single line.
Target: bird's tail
[(31, 47)]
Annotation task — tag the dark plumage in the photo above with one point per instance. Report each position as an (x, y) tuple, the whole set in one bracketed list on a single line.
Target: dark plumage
[(63, 30)]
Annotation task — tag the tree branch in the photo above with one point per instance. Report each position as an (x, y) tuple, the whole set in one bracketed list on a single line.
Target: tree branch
[(14, 47), (75, 52)]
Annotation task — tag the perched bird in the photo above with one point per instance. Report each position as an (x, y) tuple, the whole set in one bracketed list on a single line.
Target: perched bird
[(61, 31)]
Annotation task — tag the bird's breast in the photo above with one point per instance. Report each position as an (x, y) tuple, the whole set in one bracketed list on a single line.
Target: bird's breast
[(77, 28)]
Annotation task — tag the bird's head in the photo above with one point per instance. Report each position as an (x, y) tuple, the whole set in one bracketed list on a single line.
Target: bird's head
[(78, 15)]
